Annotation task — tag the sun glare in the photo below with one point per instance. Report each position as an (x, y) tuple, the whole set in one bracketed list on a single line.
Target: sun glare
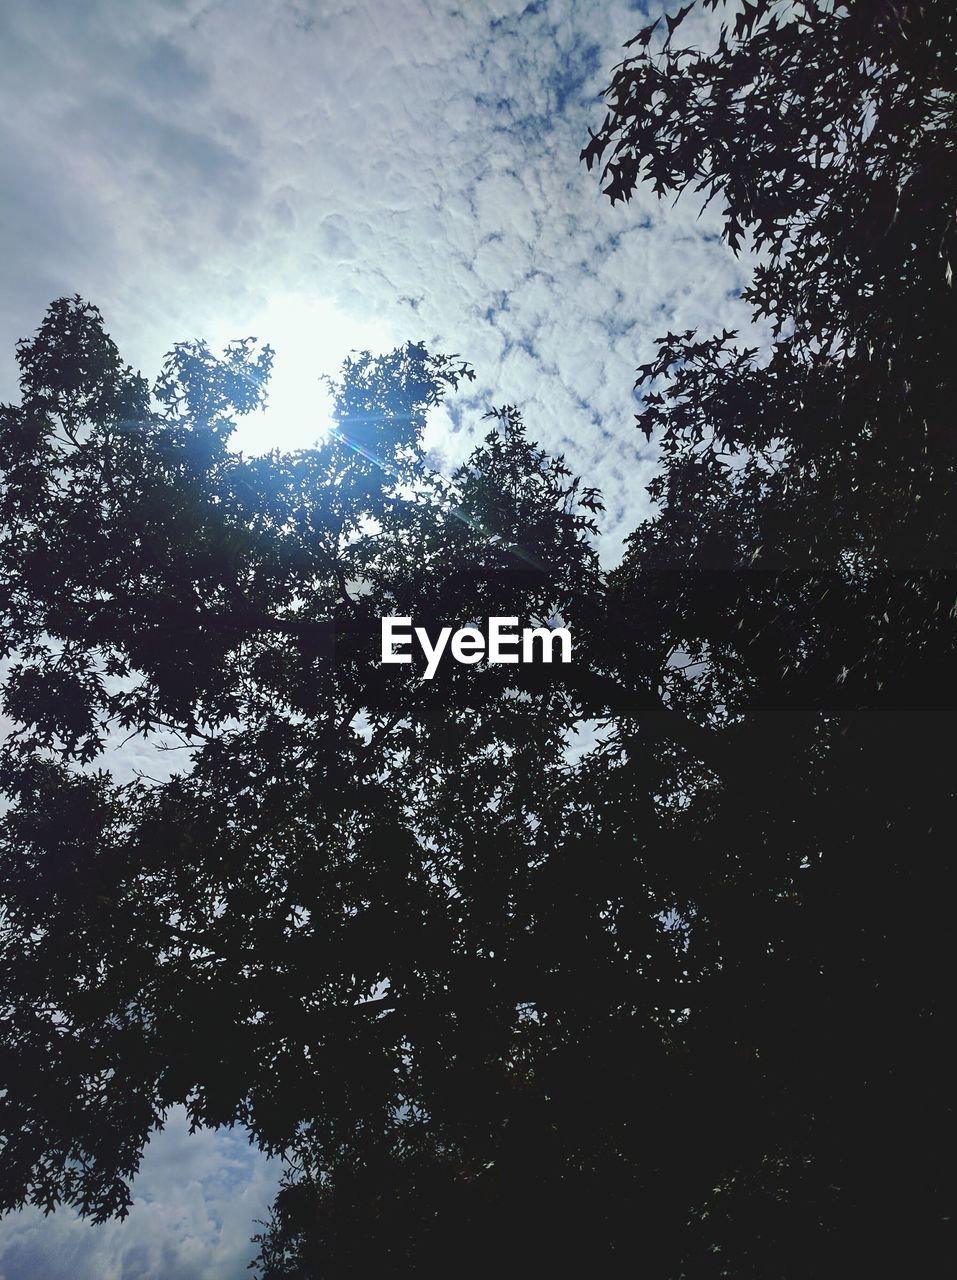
[(310, 339)]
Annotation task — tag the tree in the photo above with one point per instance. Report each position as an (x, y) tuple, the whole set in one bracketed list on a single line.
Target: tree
[(774, 1092), (201, 940), (802, 562), (674, 1009)]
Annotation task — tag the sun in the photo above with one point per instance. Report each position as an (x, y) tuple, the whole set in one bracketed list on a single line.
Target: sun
[(311, 337)]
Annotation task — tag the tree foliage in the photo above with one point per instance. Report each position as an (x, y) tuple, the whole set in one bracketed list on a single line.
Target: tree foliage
[(803, 562), (672, 1007), (200, 940)]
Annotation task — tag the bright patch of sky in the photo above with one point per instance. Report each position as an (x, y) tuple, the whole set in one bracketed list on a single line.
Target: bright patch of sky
[(195, 1207), (330, 176), (337, 175)]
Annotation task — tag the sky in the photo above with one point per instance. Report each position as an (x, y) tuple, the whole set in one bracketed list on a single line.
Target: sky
[(329, 176)]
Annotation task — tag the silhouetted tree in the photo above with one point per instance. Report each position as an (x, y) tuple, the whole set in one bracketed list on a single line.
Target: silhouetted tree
[(770, 1095), (674, 1009), (219, 938), (803, 564)]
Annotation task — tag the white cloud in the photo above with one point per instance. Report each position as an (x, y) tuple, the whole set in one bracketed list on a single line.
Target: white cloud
[(381, 172), (197, 1203)]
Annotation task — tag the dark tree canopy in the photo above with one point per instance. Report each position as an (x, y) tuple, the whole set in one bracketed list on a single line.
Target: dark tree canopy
[(674, 1009), (200, 940)]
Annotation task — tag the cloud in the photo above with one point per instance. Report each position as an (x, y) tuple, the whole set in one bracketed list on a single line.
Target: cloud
[(410, 170), (196, 1204)]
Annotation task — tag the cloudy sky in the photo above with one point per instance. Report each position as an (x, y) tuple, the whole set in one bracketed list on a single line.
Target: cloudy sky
[(332, 174)]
